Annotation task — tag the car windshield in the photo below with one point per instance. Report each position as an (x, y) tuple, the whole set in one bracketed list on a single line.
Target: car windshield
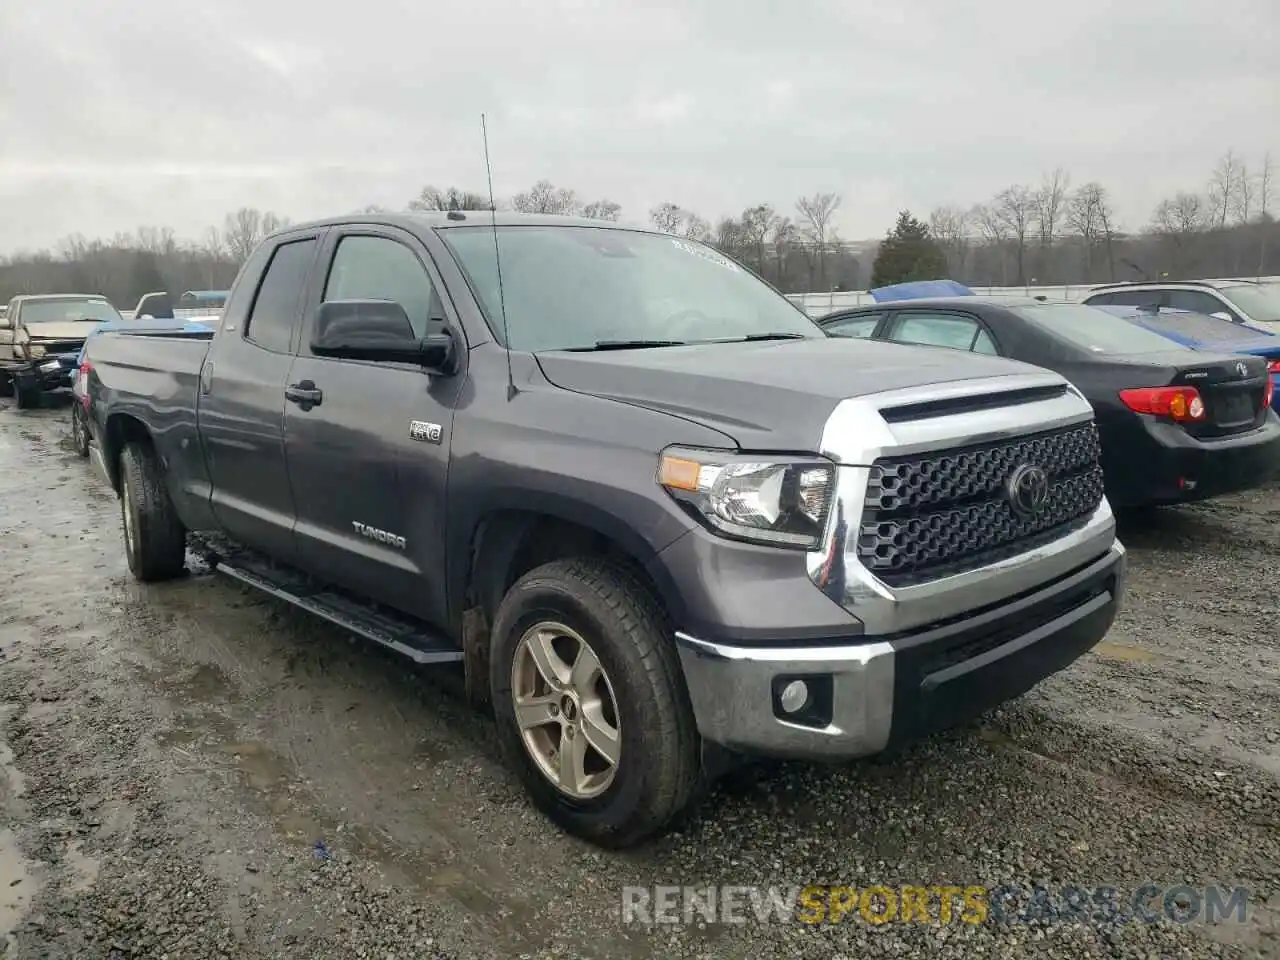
[(69, 310), (1260, 301), (1094, 330), (571, 287)]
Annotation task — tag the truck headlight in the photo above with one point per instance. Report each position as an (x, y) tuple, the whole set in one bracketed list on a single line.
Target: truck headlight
[(782, 502), (34, 350)]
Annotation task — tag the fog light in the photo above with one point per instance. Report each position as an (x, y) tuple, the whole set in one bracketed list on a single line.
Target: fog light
[(794, 696)]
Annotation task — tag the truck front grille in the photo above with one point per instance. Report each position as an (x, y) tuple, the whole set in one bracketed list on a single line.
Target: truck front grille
[(944, 512)]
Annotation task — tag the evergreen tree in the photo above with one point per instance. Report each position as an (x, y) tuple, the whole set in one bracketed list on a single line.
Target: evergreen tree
[(909, 252)]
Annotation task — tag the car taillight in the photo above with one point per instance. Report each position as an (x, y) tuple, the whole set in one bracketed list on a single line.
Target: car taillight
[(1273, 366), (1177, 403), (83, 376), (1268, 392)]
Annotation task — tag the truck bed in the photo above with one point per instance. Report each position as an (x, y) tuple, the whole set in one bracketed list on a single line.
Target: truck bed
[(160, 368)]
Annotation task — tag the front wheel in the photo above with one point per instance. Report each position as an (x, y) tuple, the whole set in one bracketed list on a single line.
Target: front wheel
[(155, 540), (590, 702)]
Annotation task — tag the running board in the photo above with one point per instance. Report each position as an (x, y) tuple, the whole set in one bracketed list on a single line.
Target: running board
[(405, 638)]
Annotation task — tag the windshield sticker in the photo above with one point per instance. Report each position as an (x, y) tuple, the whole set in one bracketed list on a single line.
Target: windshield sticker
[(705, 253)]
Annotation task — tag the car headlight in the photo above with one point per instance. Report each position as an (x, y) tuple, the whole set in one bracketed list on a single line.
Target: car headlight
[(35, 350), (782, 502)]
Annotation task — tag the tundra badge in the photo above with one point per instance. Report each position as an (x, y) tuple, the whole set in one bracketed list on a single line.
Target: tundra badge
[(425, 432), (380, 535)]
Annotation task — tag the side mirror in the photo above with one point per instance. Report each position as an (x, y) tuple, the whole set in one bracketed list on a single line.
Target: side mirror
[(1223, 315), (377, 330)]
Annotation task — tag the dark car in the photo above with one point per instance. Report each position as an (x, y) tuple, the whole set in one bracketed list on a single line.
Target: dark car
[(1175, 424)]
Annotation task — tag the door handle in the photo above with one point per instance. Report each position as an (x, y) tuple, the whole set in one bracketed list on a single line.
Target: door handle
[(305, 394)]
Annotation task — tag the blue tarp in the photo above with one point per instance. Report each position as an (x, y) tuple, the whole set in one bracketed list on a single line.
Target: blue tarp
[(1200, 332), (920, 289)]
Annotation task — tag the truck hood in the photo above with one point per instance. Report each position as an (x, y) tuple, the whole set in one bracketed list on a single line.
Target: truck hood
[(770, 395), (60, 330)]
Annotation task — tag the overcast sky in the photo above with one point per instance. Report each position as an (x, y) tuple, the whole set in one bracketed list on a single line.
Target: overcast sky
[(171, 112)]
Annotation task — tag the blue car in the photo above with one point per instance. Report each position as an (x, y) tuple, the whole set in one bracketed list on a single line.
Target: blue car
[(79, 429), (1201, 332)]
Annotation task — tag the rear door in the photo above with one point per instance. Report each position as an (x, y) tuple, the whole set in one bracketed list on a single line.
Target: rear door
[(241, 405), (370, 461)]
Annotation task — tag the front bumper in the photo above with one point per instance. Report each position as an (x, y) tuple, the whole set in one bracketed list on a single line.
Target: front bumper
[(52, 372), (876, 692)]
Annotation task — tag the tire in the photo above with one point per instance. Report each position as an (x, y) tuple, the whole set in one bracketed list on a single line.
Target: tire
[(6, 385), (655, 777), (79, 431), (155, 541), (27, 399)]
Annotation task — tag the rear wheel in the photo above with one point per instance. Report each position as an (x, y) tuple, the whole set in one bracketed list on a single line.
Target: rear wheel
[(590, 703), (79, 430), (155, 541), (28, 399)]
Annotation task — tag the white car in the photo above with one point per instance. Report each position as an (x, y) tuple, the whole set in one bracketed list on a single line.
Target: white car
[(1252, 302)]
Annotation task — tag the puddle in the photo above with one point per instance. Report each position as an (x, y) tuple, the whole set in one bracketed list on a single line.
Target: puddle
[(14, 784), (18, 887), (1124, 652), (260, 768)]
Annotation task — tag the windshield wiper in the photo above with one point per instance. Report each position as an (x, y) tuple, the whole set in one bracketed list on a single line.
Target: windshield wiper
[(772, 336), (628, 345)]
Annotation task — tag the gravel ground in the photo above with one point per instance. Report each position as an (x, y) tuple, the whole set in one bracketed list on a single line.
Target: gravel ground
[(193, 771)]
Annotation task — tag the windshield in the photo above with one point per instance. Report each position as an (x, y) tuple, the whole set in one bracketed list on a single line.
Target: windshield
[(570, 287), (1095, 330), (1260, 301), (93, 310)]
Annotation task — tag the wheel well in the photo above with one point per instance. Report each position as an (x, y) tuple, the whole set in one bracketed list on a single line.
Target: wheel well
[(510, 543), (121, 429)]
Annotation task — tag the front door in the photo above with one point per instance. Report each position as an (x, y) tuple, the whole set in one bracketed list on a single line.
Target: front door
[(369, 462), (242, 401)]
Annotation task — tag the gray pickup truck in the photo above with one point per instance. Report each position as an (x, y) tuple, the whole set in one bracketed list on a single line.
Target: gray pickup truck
[(661, 519)]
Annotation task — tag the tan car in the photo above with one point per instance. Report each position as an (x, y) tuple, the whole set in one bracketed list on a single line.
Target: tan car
[(40, 340)]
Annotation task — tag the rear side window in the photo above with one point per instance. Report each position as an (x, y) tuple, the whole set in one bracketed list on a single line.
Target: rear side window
[(938, 330), (862, 325), (1101, 300), (1196, 302), (276, 309)]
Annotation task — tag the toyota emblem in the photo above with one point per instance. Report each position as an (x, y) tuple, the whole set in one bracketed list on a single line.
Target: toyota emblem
[(1028, 489), (1242, 368)]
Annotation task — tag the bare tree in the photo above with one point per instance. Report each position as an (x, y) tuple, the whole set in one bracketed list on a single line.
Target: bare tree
[(1050, 200), (1088, 216), (1177, 221), (1016, 207), (667, 217), (1266, 187), (545, 197), (695, 228), (816, 213), (602, 210), (434, 199), (949, 226), (241, 232), (1244, 195), (756, 225), (995, 232), (1223, 187)]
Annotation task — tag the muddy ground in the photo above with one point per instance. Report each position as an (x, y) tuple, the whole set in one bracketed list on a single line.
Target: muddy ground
[(192, 771)]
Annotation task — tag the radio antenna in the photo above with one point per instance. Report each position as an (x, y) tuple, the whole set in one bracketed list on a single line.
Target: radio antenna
[(497, 259)]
